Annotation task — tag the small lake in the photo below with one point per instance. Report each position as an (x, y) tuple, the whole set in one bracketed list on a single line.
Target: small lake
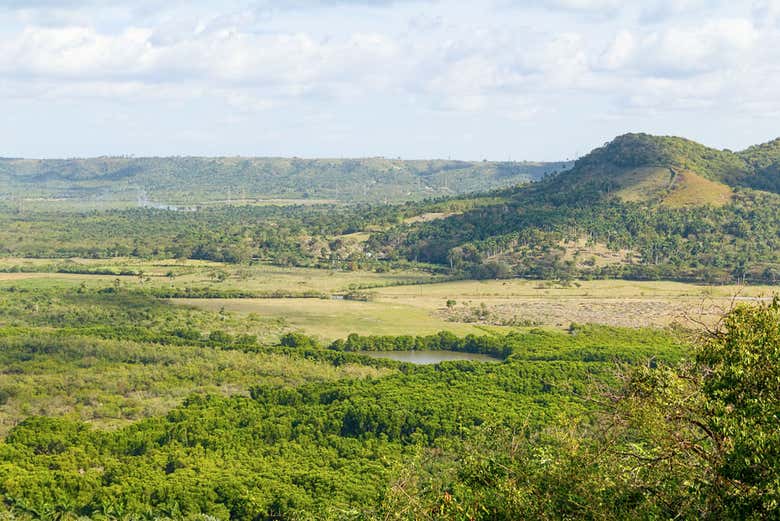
[(424, 357)]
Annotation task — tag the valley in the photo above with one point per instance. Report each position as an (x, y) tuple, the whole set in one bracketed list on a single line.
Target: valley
[(377, 260), (484, 355)]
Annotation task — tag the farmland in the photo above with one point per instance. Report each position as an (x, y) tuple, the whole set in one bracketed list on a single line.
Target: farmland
[(328, 303)]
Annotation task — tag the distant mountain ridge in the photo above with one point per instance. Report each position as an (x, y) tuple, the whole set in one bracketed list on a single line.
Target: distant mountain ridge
[(193, 180)]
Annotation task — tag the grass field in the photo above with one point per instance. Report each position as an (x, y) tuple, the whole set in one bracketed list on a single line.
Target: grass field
[(200, 274), (612, 302), (330, 319), (399, 304)]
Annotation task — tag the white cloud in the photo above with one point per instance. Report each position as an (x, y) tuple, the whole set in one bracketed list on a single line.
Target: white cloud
[(766, 12), (619, 52), (584, 6), (683, 51), (503, 62), (709, 46), (587, 5), (288, 64)]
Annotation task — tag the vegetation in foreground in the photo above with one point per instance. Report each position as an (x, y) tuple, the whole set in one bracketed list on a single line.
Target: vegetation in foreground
[(692, 440), (294, 430), (595, 424)]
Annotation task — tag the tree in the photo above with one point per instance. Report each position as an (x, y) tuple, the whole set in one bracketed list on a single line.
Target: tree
[(741, 367), (695, 440)]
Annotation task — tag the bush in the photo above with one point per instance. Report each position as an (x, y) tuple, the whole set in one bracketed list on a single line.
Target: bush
[(298, 340)]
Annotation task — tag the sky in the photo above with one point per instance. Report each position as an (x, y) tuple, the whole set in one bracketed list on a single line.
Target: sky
[(492, 79)]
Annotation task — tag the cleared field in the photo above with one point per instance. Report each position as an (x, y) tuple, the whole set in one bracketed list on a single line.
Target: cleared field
[(612, 302), (399, 304), (330, 319), (593, 288), (200, 274)]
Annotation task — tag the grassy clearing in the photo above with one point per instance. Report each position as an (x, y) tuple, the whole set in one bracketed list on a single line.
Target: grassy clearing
[(610, 302), (691, 189), (591, 289), (428, 217), (332, 319), (398, 304), (201, 274)]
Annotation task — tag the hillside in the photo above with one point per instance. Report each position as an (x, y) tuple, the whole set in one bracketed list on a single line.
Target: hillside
[(670, 171), (764, 161), (640, 206), (125, 181)]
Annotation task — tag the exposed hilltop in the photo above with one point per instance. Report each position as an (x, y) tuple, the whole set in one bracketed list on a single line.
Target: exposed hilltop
[(670, 171)]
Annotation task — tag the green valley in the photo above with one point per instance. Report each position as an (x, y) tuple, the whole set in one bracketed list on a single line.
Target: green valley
[(234, 360)]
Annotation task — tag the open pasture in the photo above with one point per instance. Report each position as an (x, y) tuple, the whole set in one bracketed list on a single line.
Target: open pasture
[(330, 319), (173, 273), (610, 302), (399, 302)]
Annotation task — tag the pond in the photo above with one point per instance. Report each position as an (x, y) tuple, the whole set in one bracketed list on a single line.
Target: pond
[(423, 357)]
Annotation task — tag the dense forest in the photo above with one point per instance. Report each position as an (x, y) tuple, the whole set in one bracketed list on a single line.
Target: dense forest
[(593, 422)]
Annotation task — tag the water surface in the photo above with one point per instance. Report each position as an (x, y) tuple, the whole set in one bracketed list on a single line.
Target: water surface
[(424, 357)]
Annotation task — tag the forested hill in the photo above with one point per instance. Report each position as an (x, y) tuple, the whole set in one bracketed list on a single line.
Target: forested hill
[(672, 171), (194, 180), (641, 206)]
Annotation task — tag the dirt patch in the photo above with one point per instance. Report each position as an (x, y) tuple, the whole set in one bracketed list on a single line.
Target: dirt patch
[(588, 254), (428, 217)]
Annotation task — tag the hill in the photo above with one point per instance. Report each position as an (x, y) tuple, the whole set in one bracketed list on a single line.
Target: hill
[(764, 161), (670, 171), (126, 181), (640, 206)]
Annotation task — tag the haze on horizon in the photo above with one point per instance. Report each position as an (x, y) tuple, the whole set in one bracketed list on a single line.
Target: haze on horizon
[(523, 80)]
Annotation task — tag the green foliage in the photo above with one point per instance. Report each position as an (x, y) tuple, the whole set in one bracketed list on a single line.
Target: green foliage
[(765, 161), (641, 150), (524, 237), (295, 339), (223, 234), (321, 435), (694, 440), (742, 390)]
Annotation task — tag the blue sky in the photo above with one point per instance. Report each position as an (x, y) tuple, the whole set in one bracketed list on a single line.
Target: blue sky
[(497, 79)]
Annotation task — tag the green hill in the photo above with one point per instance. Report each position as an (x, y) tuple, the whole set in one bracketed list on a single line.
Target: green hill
[(764, 161), (640, 206), (672, 171), (124, 181), (644, 150)]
